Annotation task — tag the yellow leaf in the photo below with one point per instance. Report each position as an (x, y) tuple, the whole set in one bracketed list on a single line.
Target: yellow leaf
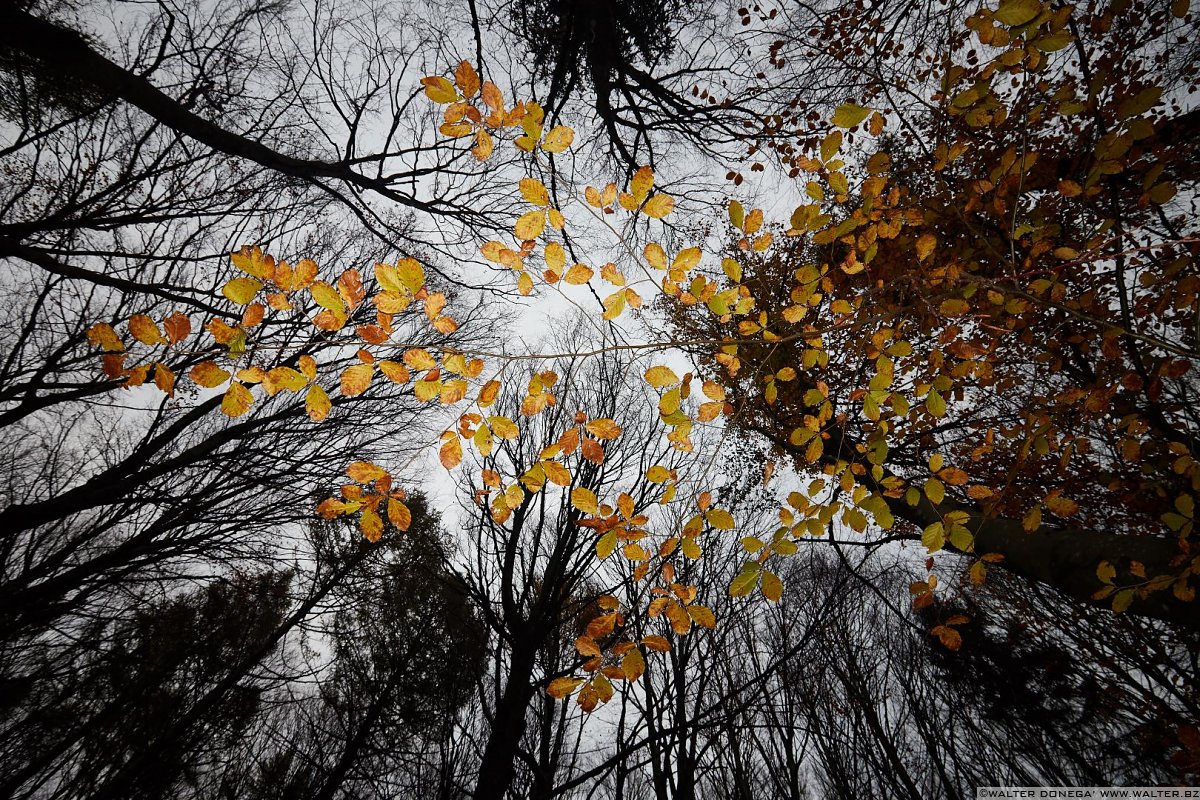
[(365, 472), (737, 214), (578, 275), (603, 429), (394, 371), (208, 374), (399, 514), (145, 331), (241, 290), (411, 274), (772, 587), (419, 358), (558, 139), (641, 183), (324, 295), (925, 245), (606, 544), (104, 336), (563, 687), (1017, 12), (534, 191), (555, 256), (451, 453), (658, 474), (614, 304), (356, 379), (316, 403), (308, 367), (686, 259), (633, 665), (655, 255), (236, 401), (702, 616), (530, 225), (252, 261), (439, 90), (659, 206), (489, 393), (504, 427), (847, 115), (525, 284), (371, 524), (935, 404), (585, 500), (720, 518), (660, 376)]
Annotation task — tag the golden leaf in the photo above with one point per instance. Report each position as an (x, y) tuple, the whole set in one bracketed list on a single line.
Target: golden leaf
[(772, 587), (467, 79), (633, 665), (252, 261), (641, 183), (365, 472), (104, 336), (145, 331), (585, 500), (558, 139), (603, 428), (236, 401), (316, 403), (371, 525), (164, 379), (439, 90), (484, 146), (241, 290), (659, 206), (208, 374), (530, 225), (925, 245), (563, 687), (847, 115), (702, 616), (399, 514), (419, 358), (394, 371), (450, 453), (534, 191), (660, 376), (355, 380), (655, 255), (578, 275)]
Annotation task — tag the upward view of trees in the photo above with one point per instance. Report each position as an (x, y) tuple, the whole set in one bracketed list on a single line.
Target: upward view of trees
[(577, 399)]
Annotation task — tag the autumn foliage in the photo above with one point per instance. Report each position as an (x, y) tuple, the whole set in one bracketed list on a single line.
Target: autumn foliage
[(977, 329)]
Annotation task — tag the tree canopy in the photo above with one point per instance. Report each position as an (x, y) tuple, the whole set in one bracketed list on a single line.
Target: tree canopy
[(914, 284)]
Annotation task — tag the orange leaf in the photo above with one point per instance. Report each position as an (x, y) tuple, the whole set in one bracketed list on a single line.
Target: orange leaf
[(451, 452), (178, 327), (399, 514)]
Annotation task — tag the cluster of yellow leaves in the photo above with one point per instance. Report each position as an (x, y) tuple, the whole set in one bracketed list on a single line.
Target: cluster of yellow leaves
[(463, 116), (370, 492)]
